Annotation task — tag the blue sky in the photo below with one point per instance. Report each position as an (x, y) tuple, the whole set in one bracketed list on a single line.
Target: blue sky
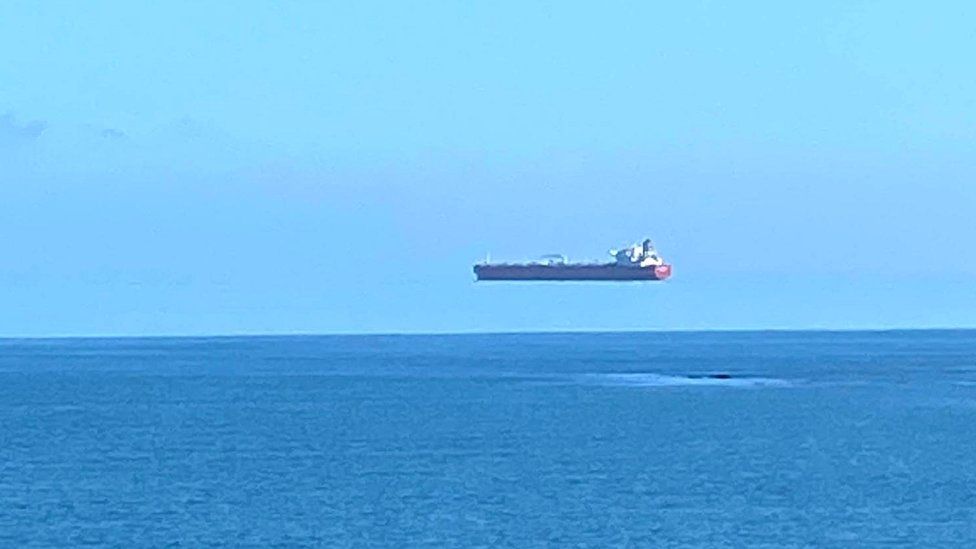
[(313, 167)]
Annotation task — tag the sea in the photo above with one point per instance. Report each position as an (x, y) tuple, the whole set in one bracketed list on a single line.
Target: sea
[(720, 439)]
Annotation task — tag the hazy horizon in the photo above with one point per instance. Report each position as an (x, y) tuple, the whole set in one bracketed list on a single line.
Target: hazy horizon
[(582, 331)]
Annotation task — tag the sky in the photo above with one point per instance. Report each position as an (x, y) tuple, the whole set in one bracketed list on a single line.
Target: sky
[(197, 168)]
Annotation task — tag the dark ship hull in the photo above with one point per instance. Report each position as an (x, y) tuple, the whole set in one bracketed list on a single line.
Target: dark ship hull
[(568, 272)]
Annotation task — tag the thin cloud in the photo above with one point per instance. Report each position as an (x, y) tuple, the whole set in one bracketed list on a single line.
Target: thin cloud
[(13, 132), (112, 133)]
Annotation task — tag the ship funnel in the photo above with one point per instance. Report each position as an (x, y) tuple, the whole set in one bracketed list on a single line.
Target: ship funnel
[(648, 246)]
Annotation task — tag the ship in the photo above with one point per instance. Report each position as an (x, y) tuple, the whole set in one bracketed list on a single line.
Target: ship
[(639, 262)]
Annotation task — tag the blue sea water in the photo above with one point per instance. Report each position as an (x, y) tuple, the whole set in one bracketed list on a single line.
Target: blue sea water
[(532, 440)]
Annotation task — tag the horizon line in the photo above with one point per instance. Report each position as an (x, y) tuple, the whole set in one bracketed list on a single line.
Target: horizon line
[(257, 335)]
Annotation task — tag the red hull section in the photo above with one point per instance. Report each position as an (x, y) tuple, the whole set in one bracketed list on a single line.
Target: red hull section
[(571, 272)]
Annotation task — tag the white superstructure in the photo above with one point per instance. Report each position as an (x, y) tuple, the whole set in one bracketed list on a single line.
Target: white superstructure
[(638, 255)]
